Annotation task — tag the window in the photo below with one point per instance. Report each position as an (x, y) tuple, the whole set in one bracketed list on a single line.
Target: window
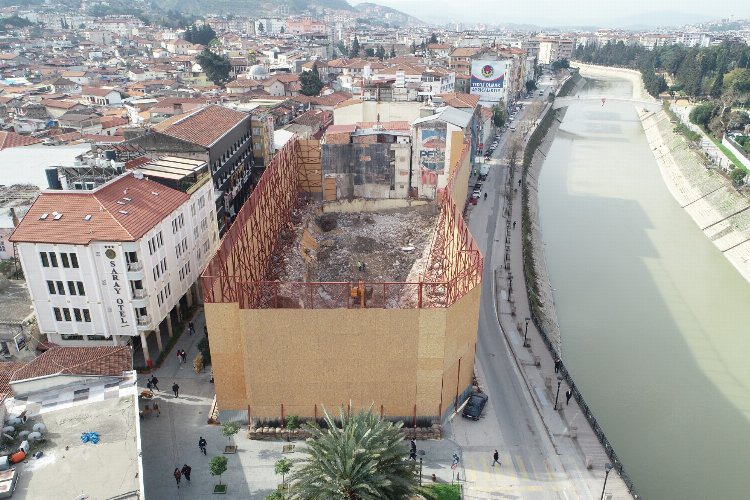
[(159, 239), (53, 259), (66, 313), (81, 289), (65, 261), (60, 288), (151, 247), (201, 202), (195, 232), (163, 264), (72, 287), (77, 314), (58, 313), (86, 316), (45, 260), (74, 260), (51, 287), (174, 226), (71, 337), (192, 212)]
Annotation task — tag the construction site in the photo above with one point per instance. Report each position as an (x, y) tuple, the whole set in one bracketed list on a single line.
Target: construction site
[(314, 302)]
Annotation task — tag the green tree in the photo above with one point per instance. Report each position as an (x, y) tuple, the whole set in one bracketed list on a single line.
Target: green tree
[(413, 47), (433, 38), (202, 35), (369, 52), (261, 28), (215, 66), (230, 429), (275, 495), (530, 85), (702, 114), (738, 175), (393, 51), (218, 466), (354, 51), (363, 458), (380, 52), (499, 114), (310, 82), (282, 467), (341, 46)]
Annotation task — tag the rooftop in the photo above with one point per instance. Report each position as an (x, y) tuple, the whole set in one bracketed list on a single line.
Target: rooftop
[(123, 209), (99, 361), (204, 126)]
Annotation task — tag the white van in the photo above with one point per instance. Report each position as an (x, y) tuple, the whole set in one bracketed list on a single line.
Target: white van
[(513, 128)]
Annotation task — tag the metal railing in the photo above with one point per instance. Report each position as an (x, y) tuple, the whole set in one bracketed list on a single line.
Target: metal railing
[(135, 266)]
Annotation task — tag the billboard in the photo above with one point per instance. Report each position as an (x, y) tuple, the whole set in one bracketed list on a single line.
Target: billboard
[(488, 79)]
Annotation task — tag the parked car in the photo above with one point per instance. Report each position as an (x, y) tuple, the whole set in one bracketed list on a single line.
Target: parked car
[(474, 407), (476, 194)]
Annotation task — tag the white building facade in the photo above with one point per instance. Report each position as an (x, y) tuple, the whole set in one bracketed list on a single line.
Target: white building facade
[(105, 285)]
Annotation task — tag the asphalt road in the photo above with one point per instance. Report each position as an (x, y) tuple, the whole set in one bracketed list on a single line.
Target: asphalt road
[(531, 467)]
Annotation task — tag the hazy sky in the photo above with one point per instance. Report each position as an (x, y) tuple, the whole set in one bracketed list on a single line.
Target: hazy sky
[(570, 12)]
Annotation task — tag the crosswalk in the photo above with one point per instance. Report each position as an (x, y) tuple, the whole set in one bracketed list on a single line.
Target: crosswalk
[(518, 476)]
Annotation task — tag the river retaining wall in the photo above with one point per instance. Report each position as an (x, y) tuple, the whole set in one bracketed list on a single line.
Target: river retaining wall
[(719, 210)]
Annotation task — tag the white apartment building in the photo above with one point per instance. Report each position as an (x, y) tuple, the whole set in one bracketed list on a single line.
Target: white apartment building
[(107, 265)]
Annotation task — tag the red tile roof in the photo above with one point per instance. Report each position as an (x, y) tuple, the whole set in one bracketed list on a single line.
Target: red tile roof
[(460, 100), (394, 125), (101, 361), (96, 91), (13, 140), (204, 126), (107, 222), (7, 370)]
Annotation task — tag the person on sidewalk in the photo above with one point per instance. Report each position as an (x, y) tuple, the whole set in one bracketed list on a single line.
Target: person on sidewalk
[(202, 444), (176, 389), (177, 475), (183, 354), (496, 459), (149, 385), (155, 382), (568, 395), (558, 364), (186, 470), (156, 409), (179, 356), (514, 224), (359, 266), (191, 328)]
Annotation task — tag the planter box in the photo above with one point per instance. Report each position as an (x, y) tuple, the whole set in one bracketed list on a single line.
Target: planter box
[(220, 489), (230, 449)]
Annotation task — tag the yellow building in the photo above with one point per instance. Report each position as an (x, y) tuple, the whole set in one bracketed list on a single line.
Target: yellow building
[(291, 345)]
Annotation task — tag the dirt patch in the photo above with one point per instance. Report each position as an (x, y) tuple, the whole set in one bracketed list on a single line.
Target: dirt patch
[(387, 243)]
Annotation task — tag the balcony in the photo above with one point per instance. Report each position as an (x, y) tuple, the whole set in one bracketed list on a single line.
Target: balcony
[(144, 322), (139, 293), (135, 270)]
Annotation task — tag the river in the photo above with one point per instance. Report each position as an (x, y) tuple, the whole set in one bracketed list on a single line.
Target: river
[(654, 320)]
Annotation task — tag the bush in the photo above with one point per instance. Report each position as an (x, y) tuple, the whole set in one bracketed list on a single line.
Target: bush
[(441, 492), (292, 422), (205, 351), (702, 114), (738, 175)]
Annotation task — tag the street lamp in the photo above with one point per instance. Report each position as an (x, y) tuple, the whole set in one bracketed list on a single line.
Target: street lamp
[(526, 333), (559, 381), (607, 469), (421, 454)]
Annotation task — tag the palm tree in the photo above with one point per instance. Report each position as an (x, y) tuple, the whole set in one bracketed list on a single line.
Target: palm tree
[(365, 458)]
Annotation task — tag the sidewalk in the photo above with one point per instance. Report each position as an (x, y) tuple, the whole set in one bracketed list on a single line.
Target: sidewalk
[(576, 450)]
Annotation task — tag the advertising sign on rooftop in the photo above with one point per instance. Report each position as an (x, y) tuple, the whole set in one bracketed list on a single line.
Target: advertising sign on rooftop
[(488, 80)]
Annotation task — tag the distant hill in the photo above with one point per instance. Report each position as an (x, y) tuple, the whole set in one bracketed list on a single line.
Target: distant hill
[(253, 8), (387, 14)]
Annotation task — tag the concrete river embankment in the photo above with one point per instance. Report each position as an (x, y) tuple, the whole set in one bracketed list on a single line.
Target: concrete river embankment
[(652, 315)]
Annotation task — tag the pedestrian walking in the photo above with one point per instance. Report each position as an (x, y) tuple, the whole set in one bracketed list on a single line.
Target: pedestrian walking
[(156, 409), (359, 265), (176, 389), (202, 444), (514, 224), (191, 328), (177, 475), (155, 382), (179, 356), (568, 395), (558, 363), (149, 385), (496, 459), (183, 355), (186, 470), (363, 266)]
